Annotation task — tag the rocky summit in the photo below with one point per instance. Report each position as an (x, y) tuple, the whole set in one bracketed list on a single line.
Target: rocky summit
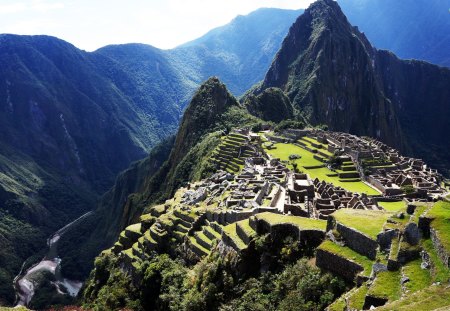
[(132, 178)]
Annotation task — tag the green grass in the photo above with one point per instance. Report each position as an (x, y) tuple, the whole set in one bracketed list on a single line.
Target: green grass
[(420, 209), (368, 222), (395, 246), (431, 298), (136, 228), (419, 278), (440, 272), (245, 226), (213, 232), (346, 252), (386, 285), (393, 206), (356, 300), (441, 223), (302, 222), (283, 151), (337, 305), (195, 243), (230, 230)]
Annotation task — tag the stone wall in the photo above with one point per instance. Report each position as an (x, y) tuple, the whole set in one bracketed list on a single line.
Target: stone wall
[(440, 249), (358, 241), (343, 267), (376, 183)]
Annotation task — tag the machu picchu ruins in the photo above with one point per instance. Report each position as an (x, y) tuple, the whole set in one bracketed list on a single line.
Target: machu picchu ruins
[(359, 203)]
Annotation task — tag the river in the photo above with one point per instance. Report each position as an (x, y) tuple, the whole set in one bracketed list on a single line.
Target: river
[(23, 282)]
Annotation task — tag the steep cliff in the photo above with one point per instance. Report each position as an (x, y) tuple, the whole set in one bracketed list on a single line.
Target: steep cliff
[(333, 76)]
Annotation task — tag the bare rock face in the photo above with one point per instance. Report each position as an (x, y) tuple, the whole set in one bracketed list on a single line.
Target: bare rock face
[(412, 234)]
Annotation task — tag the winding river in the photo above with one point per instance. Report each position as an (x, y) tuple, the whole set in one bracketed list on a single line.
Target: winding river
[(23, 282)]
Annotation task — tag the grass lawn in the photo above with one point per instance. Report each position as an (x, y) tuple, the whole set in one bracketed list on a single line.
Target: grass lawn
[(419, 278), (368, 222), (441, 223), (430, 298), (356, 300), (387, 285), (346, 252), (393, 206), (302, 222), (283, 151)]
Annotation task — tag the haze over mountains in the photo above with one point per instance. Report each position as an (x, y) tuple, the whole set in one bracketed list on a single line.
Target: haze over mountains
[(70, 121)]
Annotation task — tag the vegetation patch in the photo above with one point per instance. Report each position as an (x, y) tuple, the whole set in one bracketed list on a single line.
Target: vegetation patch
[(283, 151), (386, 285), (365, 221), (301, 222), (230, 231), (393, 206), (430, 298), (357, 298), (418, 278)]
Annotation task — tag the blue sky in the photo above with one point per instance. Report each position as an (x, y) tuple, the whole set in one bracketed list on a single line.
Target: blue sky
[(90, 24)]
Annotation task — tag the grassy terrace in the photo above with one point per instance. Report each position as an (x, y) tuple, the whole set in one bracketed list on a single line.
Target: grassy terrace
[(283, 151), (230, 230), (419, 278), (441, 223), (420, 209), (393, 206), (368, 222), (387, 285), (302, 222), (245, 225), (431, 298), (356, 300), (346, 252)]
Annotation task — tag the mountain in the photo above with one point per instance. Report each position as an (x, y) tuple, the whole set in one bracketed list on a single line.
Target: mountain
[(211, 112), (70, 120), (411, 29), (240, 52), (333, 76)]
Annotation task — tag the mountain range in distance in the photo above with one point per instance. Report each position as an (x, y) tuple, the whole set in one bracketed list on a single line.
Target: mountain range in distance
[(71, 121)]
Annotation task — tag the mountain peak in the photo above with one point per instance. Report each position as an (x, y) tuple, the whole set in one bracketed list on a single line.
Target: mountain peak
[(327, 68)]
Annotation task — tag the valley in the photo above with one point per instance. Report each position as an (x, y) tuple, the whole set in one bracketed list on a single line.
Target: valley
[(282, 161)]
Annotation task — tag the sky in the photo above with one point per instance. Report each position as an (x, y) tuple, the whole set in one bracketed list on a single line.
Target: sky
[(91, 24)]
